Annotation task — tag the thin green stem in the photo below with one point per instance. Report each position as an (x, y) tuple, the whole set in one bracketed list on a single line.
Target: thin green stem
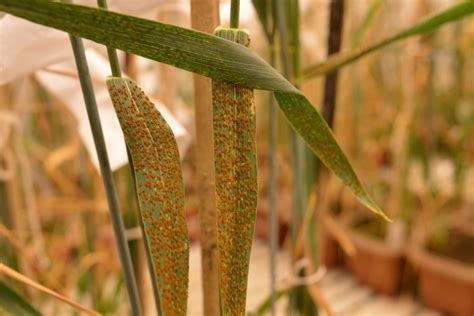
[(234, 13), (154, 282), (117, 72), (289, 37), (273, 162), (107, 177), (273, 188), (295, 39), (296, 161), (301, 150), (284, 55), (282, 31), (112, 53), (114, 62), (106, 172)]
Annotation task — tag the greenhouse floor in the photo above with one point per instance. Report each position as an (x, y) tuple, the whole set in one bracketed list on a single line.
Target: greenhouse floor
[(341, 290)]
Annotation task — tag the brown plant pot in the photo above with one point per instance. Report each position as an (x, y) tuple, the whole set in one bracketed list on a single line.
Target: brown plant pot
[(376, 264), (444, 284), (331, 255)]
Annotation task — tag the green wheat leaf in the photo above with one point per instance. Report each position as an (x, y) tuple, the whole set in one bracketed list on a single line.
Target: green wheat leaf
[(13, 304), (160, 190), (201, 53), (429, 24)]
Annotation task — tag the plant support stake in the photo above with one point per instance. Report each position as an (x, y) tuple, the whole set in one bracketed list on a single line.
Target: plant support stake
[(205, 18)]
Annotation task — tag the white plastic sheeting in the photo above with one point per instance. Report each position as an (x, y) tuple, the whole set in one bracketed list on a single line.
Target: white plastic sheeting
[(31, 49), (68, 90)]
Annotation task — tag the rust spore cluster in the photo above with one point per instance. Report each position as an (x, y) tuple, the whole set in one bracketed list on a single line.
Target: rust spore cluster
[(234, 129), (160, 190)]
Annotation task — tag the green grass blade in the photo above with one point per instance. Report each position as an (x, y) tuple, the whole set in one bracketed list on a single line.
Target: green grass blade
[(234, 129), (266, 305), (360, 30), (429, 24), (160, 189), (13, 304), (201, 53)]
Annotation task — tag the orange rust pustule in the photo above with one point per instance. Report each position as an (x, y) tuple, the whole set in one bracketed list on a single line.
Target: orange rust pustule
[(234, 129), (160, 190)]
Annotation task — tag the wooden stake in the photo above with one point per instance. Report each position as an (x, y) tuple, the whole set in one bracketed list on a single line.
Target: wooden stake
[(205, 17)]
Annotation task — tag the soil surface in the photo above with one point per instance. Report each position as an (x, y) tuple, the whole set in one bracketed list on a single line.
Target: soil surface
[(456, 245), (372, 226)]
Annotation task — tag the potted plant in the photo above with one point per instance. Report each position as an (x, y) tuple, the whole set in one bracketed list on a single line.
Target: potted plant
[(443, 254), (379, 258)]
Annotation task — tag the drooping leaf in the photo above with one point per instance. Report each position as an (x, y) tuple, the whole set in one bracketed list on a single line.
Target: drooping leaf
[(160, 190), (234, 129), (201, 53), (429, 24), (13, 304)]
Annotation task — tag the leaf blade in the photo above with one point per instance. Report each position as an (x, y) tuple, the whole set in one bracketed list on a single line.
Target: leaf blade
[(194, 51), (307, 119), (429, 24), (235, 156), (160, 190), (12, 303)]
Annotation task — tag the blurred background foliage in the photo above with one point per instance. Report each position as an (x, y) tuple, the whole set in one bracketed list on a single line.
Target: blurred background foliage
[(405, 117)]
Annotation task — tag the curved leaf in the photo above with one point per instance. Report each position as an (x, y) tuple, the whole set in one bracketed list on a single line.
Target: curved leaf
[(160, 190), (429, 24), (201, 53)]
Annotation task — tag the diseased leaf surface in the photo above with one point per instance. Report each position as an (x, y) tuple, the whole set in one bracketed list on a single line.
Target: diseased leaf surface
[(235, 156), (201, 53), (160, 190)]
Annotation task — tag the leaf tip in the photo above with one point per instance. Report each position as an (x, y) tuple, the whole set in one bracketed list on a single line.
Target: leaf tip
[(375, 208)]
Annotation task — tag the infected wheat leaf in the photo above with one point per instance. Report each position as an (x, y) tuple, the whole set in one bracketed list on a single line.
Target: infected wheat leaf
[(236, 183), (216, 58), (160, 190)]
